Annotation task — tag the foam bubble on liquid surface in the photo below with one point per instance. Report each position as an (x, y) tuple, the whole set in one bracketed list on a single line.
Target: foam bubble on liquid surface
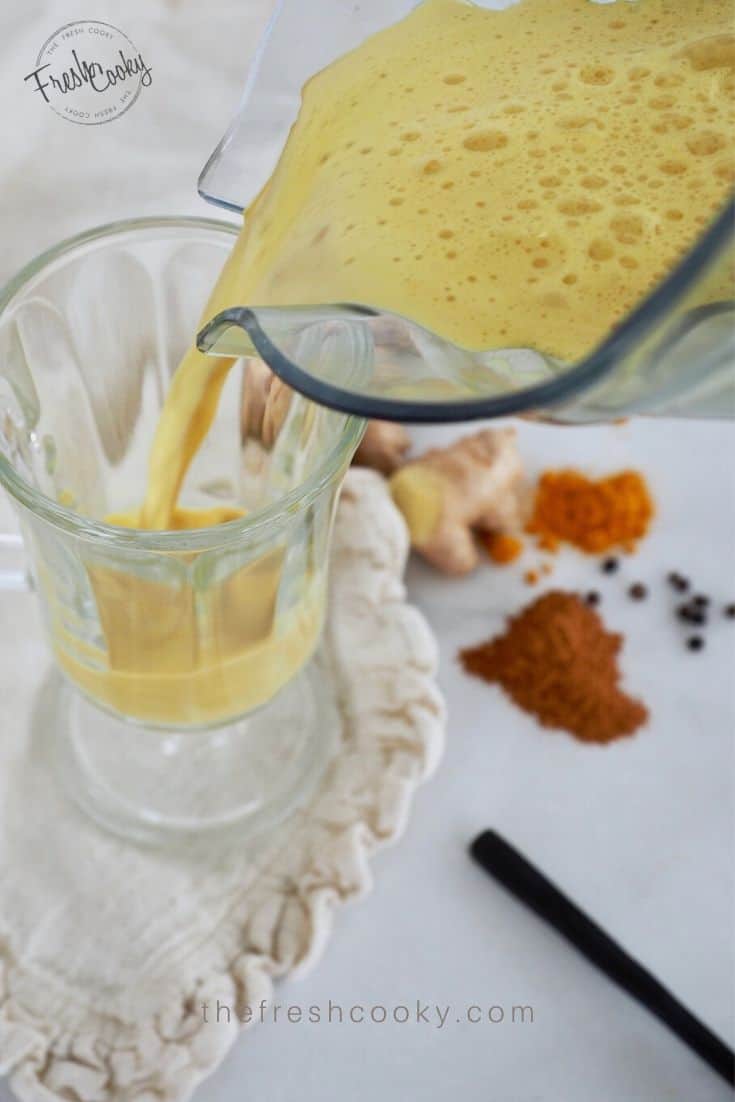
[(518, 177)]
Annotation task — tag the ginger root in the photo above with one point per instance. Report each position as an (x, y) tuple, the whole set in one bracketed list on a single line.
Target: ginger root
[(445, 495), (449, 493), (383, 447), (265, 404)]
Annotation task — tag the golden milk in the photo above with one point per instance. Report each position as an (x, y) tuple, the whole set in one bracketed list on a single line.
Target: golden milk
[(509, 179), (180, 658)]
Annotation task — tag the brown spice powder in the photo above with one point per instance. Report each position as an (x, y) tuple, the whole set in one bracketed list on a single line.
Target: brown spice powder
[(557, 661)]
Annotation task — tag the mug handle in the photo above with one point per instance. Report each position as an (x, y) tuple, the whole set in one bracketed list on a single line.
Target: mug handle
[(16, 577)]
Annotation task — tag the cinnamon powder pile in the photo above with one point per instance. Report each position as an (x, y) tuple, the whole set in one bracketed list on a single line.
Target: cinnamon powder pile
[(557, 661)]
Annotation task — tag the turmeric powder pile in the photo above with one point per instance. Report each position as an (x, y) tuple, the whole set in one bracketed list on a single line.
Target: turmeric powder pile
[(593, 514)]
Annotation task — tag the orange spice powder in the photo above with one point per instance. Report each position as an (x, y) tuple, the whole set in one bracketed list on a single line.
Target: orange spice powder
[(501, 548), (594, 515)]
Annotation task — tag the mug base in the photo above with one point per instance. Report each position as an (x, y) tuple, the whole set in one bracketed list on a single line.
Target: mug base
[(163, 788)]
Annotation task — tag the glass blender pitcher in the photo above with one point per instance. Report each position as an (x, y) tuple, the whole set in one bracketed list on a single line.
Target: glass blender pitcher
[(673, 355)]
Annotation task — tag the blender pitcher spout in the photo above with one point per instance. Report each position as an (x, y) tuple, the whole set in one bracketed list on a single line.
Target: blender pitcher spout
[(374, 363), (308, 348)]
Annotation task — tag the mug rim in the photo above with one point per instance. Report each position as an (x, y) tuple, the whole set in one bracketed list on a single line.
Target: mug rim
[(231, 532)]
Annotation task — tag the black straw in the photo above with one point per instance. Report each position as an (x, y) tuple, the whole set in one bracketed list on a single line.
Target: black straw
[(515, 873)]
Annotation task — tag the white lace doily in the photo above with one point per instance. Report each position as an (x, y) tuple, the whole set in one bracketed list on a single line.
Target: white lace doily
[(108, 951)]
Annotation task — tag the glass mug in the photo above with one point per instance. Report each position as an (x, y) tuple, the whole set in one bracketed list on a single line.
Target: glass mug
[(188, 705)]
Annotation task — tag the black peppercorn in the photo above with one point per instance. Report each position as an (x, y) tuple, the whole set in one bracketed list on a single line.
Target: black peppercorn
[(692, 614), (592, 598), (678, 582), (638, 592), (695, 642), (730, 612), (700, 601), (609, 566)]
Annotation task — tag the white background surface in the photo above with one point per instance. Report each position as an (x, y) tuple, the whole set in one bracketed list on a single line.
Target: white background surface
[(639, 833)]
